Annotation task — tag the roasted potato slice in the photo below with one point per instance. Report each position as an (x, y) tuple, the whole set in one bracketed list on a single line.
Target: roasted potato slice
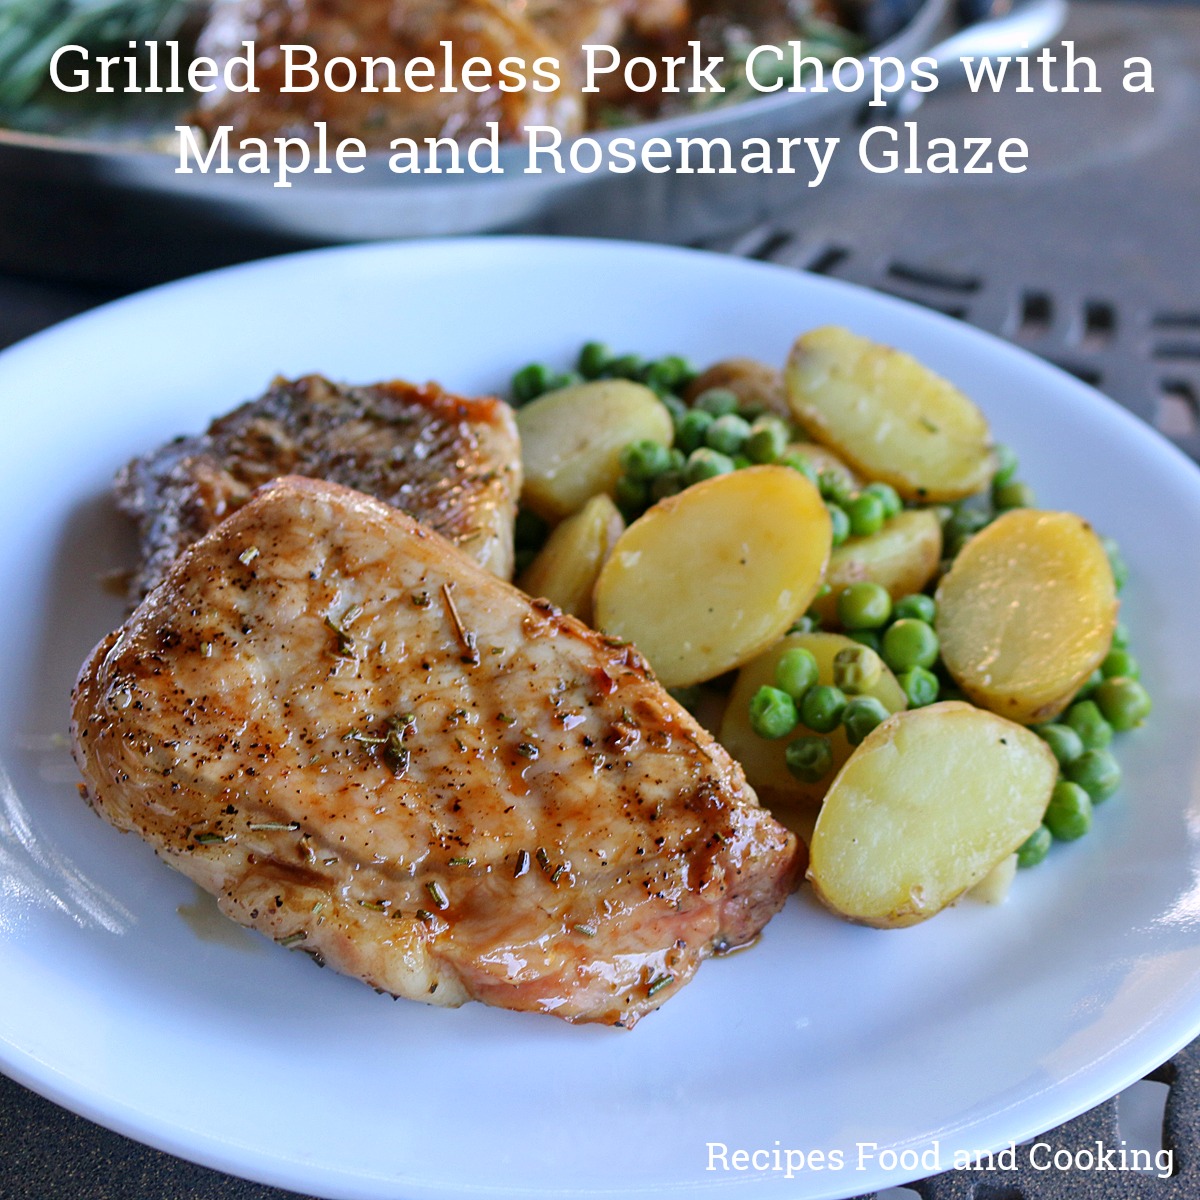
[(571, 441), (924, 809), (902, 557), (1027, 613), (566, 568), (763, 760), (753, 382), (890, 417), (707, 579)]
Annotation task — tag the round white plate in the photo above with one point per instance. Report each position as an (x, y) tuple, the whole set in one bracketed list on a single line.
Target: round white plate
[(124, 1001)]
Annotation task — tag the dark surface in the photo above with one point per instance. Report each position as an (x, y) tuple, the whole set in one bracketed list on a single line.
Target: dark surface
[(1091, 259)]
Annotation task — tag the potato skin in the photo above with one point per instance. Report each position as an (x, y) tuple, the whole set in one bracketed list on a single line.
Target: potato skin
[(889, 416), (707, 579), (924, 809), (1027, 613), (753, 382)]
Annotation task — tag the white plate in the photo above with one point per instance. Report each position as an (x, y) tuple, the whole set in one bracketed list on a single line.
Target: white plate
[(986, 1026)]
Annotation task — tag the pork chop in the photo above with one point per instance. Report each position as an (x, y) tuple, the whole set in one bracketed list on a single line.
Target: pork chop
[(372, 750), (453, 463)]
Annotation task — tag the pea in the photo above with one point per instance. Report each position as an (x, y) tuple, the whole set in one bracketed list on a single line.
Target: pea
[(835, 487), (1035, 847), (717, 402), (865, 637), (1089, 685), (1088, 721), (530, 382), (866, 513), (767, 441), (1014, 494), (645, 459), (1120, 637), (918, 606), (669, 483), (861, 715), (888, 497), (631, 494), (1097, 772), (669, 374), (799, 463), (593, 360), (727, 434), (1065, 743), (805, 624), (1124, 702), (1120, 662), (857, 669), (796, 671), (809, 758), (627, 366), (822, 707), (909, 643), (1069, 813), (963, 522), (691, 428), (1006, 466), (705, 464), (1116, 561), (920, 686), (772, 713), (839, 522), (751, 412), (675, 407), (864, 605)]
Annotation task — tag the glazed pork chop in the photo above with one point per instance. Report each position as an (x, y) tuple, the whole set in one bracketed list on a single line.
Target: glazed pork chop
[(453, 463), (371, 749)]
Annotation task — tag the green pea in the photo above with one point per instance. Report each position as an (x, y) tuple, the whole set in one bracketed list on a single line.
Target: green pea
[(645, 459), (767, 441), (727, 434), (669, 374), (1069, 813), (751, 412), (909, 643), (691, 428), (920, 686), (864, 605), (1088, 721), (1120, 662), (1006, 465), (799, 463), (866, 513), (963, 522), (669, 483), (1090, 684), (839, 523), (796, 671), (809, 759), (530, 382), (529, 530), (918, 606), (627, 366), (865, 637), (1035, 847), (836, 487), (805, 624), (593, 360), (706, 464), (675, 407), (631, 494), (822, 707), (888, 497), (772, 713), (1014, 494), (861, 715), (857, 669), (717, 402), (1124, 702), (1116, 561), (1097, 772), (1065, 743), (1120, 637)]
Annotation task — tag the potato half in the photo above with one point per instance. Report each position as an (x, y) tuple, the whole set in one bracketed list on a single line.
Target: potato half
[(924, 809), (707, 579), (571, 441), (567, 566), (1027, 613), (902, 557), (763, 760), (890, 417)]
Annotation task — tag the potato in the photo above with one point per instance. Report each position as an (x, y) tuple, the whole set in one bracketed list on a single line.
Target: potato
[(888, 416), (571, 441), (902, 557), (1027, 613), (753, 382), (762, 760), (565, 570), (994, 887), (925, 808), (707, 579)]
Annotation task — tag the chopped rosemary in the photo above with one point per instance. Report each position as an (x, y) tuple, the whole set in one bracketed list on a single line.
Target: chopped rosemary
[(248, 555), (211, 839), (364, 739), (587, 930), (543, 859), (462, 862), (439, 897), (657, 985), (470, 649), (558, 872), (293, 939), (505, 719), (423, 914), (259, 826), (527, 750), (522, 864), (345, 643), (375, 905), (421, 599)]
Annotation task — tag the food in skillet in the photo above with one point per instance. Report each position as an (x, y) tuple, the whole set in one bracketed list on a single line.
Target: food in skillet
[(371, 749)]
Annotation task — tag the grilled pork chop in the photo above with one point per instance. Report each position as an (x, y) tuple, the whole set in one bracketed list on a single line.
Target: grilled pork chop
[(453, 463), (367, 747)]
